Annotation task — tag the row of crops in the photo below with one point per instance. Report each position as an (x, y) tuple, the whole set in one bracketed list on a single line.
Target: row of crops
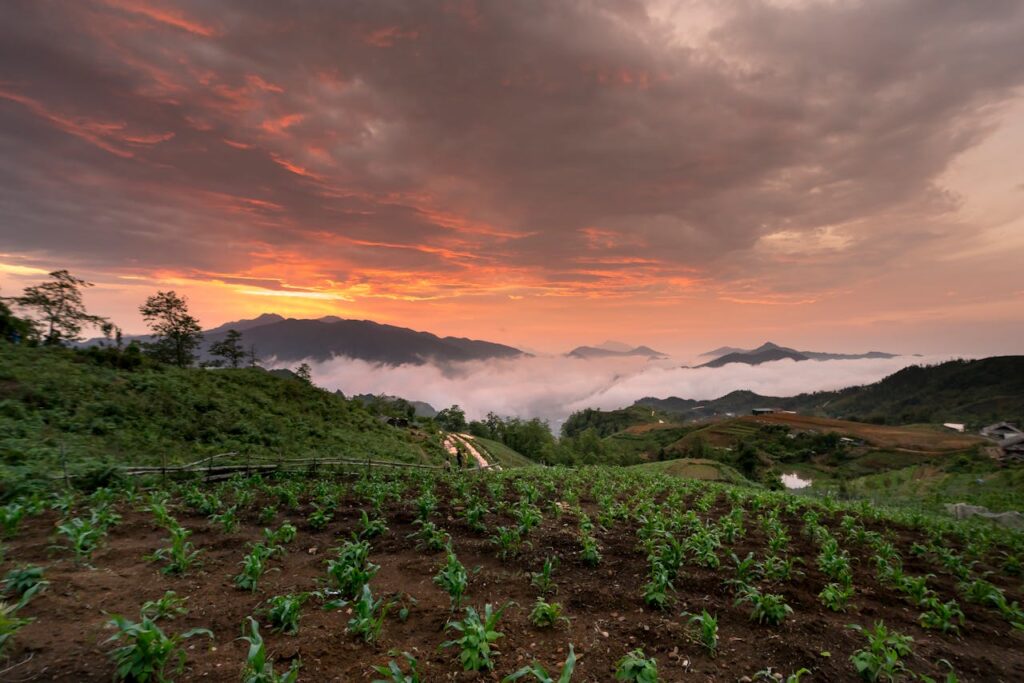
[(677, 529)]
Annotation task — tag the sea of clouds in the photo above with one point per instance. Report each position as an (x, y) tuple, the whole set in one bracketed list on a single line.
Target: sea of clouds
[(552, 387)]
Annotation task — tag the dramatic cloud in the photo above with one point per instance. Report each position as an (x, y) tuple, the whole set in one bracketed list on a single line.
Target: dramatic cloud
[(552, 387), (496, 160)]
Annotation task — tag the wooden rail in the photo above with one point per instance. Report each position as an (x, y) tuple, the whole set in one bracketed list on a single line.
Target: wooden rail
[(213, 466)]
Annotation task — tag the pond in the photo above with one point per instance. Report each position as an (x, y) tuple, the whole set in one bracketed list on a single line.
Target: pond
[(793, 481)]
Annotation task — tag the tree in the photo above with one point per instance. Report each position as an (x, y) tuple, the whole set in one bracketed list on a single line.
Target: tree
[(452, 419), (747, 459), (112, 336), (229, 348), (14, 329), (176, 334), (59, 307), (305, 373), (254, 360)]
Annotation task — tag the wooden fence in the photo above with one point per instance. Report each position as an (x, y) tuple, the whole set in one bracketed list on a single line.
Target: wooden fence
[(218, 466)]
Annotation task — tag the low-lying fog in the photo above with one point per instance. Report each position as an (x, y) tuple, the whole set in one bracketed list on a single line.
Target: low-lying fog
[(551, 387)]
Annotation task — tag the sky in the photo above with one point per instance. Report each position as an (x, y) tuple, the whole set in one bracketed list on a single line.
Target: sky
[(829, 175)]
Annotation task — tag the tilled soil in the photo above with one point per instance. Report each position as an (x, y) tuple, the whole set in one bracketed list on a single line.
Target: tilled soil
[(66, 642)]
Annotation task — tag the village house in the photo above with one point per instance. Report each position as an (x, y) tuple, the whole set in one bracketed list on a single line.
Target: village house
[(1009, 439)]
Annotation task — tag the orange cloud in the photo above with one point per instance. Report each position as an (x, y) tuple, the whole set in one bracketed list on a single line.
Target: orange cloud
[(163, 15)]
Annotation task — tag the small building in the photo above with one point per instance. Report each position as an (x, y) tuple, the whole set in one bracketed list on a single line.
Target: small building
[(1012, 448), (762, 411), (955, 426), (1000, 431)]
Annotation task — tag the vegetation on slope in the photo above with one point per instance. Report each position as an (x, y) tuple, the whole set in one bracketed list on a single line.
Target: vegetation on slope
[(975, 392), (54, 399), (496, 452)]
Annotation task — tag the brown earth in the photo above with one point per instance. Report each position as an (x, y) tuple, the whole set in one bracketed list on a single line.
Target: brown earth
[(66, 640), (911, 437)]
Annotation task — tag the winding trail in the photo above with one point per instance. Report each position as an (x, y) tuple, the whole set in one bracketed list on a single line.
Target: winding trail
[(451, 445)]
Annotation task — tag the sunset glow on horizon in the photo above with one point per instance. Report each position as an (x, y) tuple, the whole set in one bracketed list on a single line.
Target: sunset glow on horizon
[(834, 175)]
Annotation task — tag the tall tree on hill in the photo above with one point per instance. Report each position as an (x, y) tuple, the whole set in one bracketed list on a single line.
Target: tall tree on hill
[(305, 373), (58, 307), (452, 419), (254, 360), (230, 348), (176, 334), (14, 329)]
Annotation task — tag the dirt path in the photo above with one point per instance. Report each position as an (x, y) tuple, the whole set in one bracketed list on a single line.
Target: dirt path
[(467, 441), (452, 442)]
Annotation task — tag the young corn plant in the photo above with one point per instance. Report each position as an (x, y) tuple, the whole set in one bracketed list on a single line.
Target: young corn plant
[(474, 514), (351, 570), (509, 542), (10, 622), (21, 580), (430, 537), (941, 616), (635, 667), (168, 606), (542, 580), (775, 568), (477, 637), (836, 596), (10, 519), (453, 579), (259, 668), (766, 608), (657, 590), (320, 517), (916, 589), (367, 615), (590, 552), (541, 675), (283, 535), (547, 614), (147, 650), (371, 527), (180, 555), (83, 538), (284, 611), (395, 674), (254, 566), (705, 628), (882, 659), (228, 520)]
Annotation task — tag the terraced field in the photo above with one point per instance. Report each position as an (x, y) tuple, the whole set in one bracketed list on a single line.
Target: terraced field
[(477, 575)]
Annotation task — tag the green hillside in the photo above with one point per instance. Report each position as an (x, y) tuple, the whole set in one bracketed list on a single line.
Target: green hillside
[(695, 468), (54, 398), (975, 392), (499, 453)]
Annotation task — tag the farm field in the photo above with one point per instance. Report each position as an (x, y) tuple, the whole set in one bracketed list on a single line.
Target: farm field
[(927, 438), (776, 580)]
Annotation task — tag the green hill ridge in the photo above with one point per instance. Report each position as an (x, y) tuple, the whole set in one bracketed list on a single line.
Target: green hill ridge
[(56, 399)]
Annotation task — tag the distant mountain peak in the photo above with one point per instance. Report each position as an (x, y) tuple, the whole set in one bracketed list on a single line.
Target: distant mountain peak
[(770, 351), (612, 345), (587, 352), (242, 325)]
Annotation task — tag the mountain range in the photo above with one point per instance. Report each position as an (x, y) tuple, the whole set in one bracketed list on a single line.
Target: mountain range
[(603, 351), (768, 352), (289, 340), (979, 391)]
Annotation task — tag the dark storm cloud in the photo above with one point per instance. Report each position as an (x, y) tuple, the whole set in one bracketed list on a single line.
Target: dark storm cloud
[(458, 135)]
